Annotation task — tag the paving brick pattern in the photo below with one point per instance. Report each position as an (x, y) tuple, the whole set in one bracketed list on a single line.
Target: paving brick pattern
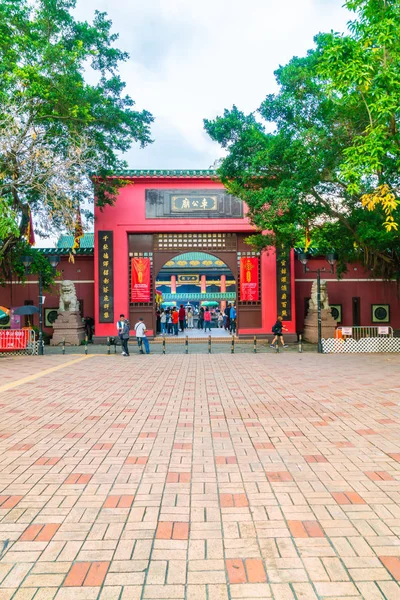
[(200, 477)]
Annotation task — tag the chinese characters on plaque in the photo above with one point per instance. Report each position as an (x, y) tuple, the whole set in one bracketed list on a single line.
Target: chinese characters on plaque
[(196, 203), (140, 291), (249, 279), (106, 276), (284, 285)]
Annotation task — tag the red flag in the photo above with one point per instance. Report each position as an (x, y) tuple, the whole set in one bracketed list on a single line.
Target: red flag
[(78, 232), (30, 234)]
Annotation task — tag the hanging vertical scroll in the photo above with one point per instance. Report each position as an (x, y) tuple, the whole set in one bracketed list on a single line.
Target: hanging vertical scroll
[(106, 276), (140, 288), (284, 285), (249, 279)]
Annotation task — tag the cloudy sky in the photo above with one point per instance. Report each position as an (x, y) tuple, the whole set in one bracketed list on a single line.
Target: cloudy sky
[(191, 59)]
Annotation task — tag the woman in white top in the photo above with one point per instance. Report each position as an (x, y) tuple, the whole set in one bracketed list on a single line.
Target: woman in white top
[(163, 322), (189, 318)]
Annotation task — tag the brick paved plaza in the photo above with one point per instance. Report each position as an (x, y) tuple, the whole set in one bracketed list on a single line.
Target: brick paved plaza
[(200, 477)]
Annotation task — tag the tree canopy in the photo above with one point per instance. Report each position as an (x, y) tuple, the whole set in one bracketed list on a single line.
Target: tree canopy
[(314, 157), (64, 116)]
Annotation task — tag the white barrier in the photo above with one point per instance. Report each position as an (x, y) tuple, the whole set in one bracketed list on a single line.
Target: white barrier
[(368, 344)]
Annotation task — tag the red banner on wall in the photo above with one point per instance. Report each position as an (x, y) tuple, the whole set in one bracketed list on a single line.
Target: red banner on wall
[(249, 279), (140, 291)]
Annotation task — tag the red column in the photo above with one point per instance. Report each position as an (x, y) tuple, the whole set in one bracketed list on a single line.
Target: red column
[(173, 284), (203, 284), (223, 289)]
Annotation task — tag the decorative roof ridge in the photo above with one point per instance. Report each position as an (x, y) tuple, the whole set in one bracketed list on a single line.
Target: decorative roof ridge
[(174, 173)]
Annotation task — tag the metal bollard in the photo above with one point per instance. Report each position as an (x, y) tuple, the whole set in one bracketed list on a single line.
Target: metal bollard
[(108, 346), (300, 343), (255, 345), (277, 347), (163, 345), (186, 345), (63, 346), (115, 346), (233, 345), (209, 344), (86, 341)]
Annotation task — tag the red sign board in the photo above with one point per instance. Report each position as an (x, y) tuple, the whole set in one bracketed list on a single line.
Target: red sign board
[(249, 279), (140, 291)]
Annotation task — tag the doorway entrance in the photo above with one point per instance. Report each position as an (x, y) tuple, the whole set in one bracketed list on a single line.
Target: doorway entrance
[(197, 282), (223, 251)]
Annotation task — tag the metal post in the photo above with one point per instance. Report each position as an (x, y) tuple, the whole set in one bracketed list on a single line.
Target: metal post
[(41, 350), (63, 346), (209, 344), (86, 341), (255, 345), (163, 344), (186, 345), (277, 347), (108, 346), (115, 346), (319, 311), (233, 345), (300, 343)]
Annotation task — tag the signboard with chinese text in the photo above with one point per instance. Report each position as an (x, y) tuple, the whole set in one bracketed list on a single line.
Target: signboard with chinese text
[(347, 331), (284, 285), (249, 279), (192, 203), (140, 290), (188, 279), (383, 330), (106, 276)]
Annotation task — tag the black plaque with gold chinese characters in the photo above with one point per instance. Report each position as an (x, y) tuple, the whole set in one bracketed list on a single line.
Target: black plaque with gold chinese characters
[(106, 276), (284, 285), (193, 204)]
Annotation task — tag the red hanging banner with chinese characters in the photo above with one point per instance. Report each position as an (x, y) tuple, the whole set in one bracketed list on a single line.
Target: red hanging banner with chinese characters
[(140, 291), (249, 279)]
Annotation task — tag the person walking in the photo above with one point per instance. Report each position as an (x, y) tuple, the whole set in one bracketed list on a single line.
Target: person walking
[(190, 317), (207, 320), (163, 321), (220, 320), (175, 320), (201, 317), (227, 313), (277, 330), (232, 319), (182, 316), (140, 329), (123, 329), (169, 322)]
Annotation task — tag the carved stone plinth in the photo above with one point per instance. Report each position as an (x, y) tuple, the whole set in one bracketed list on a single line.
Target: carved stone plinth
[(311, 325), (68, 326)]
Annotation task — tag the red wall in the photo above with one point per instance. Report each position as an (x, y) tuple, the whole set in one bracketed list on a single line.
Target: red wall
[(128, 216), (357, 282), (81, 273)]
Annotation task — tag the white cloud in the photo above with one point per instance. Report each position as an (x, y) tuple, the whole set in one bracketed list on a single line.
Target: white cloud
[(190, 60)]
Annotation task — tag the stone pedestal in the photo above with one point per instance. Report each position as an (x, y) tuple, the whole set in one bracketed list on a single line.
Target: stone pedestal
[(68, 326), (311, 325)]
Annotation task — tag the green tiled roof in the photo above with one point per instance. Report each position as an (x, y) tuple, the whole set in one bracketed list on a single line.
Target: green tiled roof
[(67, 241), (197, 260), (176, 173)]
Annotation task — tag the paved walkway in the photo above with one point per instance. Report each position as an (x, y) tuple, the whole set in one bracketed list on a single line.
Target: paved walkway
[(200, 477)]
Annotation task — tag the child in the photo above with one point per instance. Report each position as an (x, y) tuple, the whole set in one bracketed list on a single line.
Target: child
[(277, 330)]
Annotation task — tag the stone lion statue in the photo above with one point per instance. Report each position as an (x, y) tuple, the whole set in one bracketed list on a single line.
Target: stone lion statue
[(324, 296), (68, 299)]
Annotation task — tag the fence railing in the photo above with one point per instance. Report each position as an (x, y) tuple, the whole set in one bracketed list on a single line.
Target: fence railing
[(361, 332), (18, 341)]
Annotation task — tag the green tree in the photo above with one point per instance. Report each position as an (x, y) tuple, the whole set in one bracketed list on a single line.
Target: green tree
[(56, 128), (296, 177), (364, 68)]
